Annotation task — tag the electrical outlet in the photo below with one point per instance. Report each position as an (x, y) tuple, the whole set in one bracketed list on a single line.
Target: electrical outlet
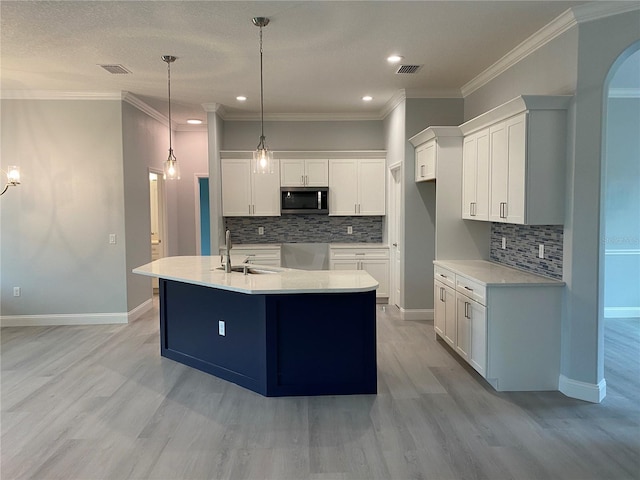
[(113, 239), (16, 291), (504, 243), (349, 230), (260, 230), (221, 328), (541, 251)]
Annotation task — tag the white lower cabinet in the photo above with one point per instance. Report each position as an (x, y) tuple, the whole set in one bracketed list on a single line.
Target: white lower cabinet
[(374, 260), (503, 322)]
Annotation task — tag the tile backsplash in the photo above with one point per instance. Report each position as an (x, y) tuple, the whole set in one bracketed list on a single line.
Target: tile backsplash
[(522, 247), (305, 229)]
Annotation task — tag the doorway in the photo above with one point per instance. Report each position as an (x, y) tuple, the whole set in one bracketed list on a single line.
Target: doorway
[(620, 226), (395, 233), (203, 218)]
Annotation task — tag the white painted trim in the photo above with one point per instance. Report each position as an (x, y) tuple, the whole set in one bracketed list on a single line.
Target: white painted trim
[(397, 98), (433, 132), (635, 251), (140, 310), (145, 108), (566, 20), (589, 392), (621, 312), (58, 319), (196, 179), (425, 314), (624, 93), (56, 95)]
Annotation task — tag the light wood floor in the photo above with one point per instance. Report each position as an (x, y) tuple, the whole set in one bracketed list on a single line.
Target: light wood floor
[(93, 402)]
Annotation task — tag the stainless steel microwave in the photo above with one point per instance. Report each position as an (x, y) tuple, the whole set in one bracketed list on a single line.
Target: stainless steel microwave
[(304, 200)]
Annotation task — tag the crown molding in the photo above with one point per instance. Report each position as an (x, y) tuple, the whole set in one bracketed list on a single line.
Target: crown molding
[(434, 132), (624, 93), (563, 22), (56, 95), (145, 108), (395, 100)]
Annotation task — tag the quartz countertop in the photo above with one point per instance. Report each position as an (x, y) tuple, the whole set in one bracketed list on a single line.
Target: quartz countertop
[(358, 245), (202, 270), (493, 274)]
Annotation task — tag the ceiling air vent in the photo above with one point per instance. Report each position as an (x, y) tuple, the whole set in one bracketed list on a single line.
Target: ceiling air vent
[(116, 69), (408, 68)]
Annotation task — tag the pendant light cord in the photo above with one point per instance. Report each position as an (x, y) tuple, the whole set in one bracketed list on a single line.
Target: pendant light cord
[(261, 144), (169, 89)]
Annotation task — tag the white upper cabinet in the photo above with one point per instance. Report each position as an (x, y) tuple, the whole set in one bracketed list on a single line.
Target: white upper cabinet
[(426, 157), (525, 147), (245, 193), (475, 176), (304, 172), (357, 186)]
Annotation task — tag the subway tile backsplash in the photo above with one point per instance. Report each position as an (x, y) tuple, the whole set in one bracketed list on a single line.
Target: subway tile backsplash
[(305, 229), (522, 247)]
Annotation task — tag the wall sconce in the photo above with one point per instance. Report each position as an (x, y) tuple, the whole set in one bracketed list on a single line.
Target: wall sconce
[(13, 177)]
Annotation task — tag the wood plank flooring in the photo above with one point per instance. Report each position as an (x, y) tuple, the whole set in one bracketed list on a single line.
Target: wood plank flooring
[(98, 402)]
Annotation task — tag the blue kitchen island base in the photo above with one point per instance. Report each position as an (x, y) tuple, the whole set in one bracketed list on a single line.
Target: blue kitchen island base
[(273, 344)]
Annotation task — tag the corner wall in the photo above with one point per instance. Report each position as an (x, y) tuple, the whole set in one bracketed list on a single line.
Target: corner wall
[(55, 226)]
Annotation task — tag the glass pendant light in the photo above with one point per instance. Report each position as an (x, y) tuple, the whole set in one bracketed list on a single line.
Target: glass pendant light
[(171, 167), (262, 156)]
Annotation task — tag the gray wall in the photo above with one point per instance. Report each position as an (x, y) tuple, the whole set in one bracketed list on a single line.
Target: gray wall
[(192, 153), (420, 198), (55, 226), (550, 70), (578, 61), (621, 239), (305, 135)]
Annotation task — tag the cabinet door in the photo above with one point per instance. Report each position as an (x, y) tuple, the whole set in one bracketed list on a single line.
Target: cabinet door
[(499, 167), (236, 188), (478, 338), (482, 175), (317, 173), (378, 269), (445, 313), (469, 175), (426, 161), (291, 173), (371, 187), (343, 187), (344, 265), (463, 326), (516, 132), (266, 193)]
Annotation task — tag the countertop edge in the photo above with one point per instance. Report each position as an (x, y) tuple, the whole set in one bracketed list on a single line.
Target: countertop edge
[(543, 282)]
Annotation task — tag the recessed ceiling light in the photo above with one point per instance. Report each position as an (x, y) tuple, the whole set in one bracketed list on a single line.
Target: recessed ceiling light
[(241, 98), (367, 98), (394, 58), (194, 121)]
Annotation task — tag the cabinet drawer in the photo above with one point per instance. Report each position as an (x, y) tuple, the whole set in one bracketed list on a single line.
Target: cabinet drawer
[(445, 276), (474, 290), (359, 253)]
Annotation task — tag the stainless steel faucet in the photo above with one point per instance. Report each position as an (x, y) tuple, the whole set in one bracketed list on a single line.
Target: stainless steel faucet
[(227, 263)]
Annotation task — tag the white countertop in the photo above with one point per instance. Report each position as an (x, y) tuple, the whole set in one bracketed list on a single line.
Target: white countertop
[(202, 270), (494, 274), (358, 245)]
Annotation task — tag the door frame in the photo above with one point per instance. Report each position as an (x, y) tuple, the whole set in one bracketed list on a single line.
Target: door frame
[(396, 220), (162, 208), (196, 189)]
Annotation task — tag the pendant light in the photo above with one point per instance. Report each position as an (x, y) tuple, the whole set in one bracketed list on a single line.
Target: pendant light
[(171, 167), (13, 177), (262, 156)]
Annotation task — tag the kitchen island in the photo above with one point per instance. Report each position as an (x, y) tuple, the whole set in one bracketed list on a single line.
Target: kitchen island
[(275, 331)]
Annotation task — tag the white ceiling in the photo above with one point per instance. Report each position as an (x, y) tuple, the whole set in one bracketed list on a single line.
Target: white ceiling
[(319, 57)]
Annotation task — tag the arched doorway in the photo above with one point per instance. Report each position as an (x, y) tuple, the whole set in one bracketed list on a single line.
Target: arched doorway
[(620, 226)]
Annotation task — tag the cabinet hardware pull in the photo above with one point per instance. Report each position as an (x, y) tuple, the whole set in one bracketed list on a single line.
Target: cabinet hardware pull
[(466, 310), (422, 170), (302, 179), (306, 179), (249, 209)]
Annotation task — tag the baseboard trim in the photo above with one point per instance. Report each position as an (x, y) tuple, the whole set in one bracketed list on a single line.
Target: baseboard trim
[(589, 392), (425, 314), (621, 312), (140, 310)]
